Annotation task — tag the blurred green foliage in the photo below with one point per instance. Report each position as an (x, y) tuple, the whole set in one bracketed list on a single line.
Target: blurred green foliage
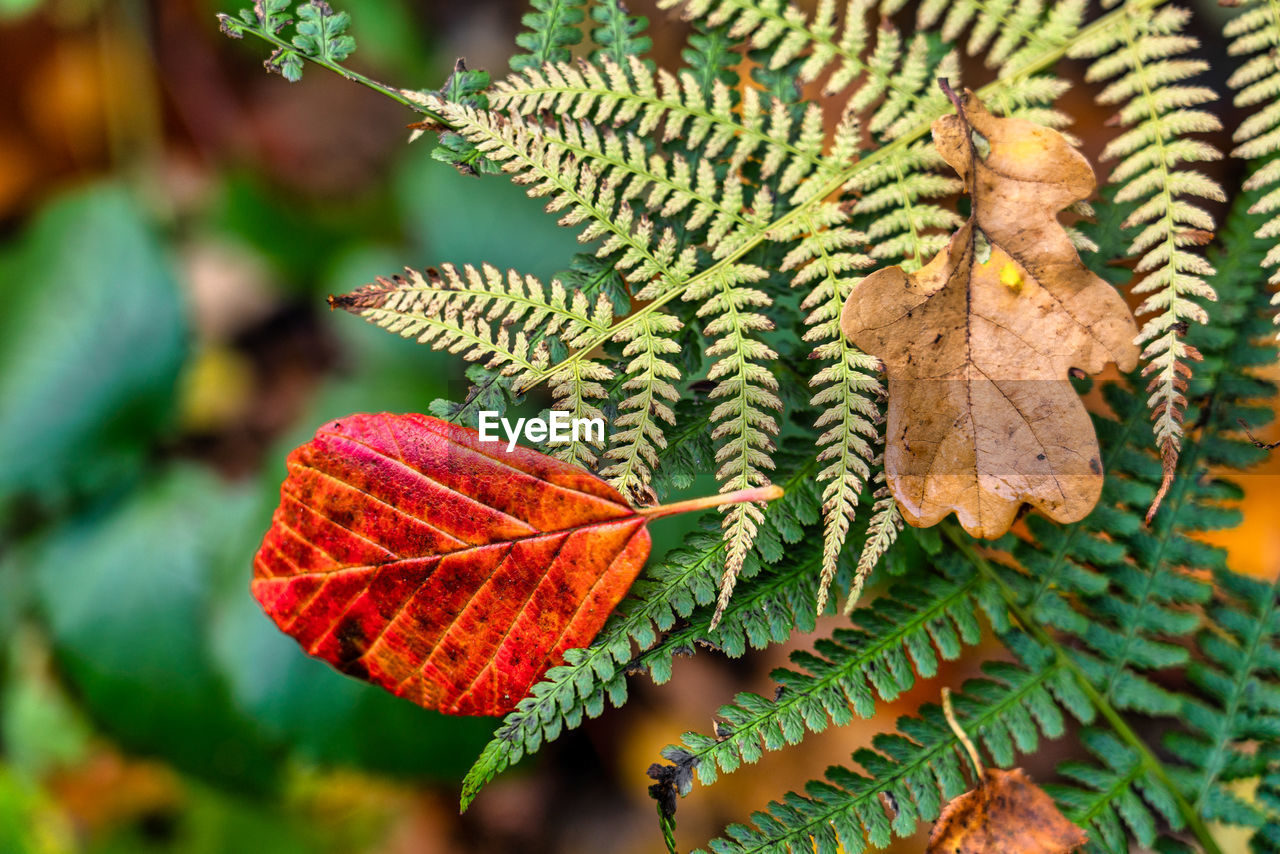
[(91, 341)]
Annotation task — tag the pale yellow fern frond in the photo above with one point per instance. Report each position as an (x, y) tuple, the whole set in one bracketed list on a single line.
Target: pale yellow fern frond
[(502, 319), (745, 392), (661, 105), (846, 387), (1144, 60), (649, 384), (882, 532)]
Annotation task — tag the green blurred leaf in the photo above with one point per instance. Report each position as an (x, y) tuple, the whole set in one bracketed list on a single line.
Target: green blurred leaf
[(126, 597), (91, 341), (40, 729), (464, 219), (11, 9), (29, 822), (299, 238), (327, 717)]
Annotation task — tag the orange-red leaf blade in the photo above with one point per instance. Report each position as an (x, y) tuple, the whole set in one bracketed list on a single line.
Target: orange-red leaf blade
[(448, 571)]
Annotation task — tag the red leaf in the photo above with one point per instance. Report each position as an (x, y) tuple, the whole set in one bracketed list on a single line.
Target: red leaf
[(448, 571)]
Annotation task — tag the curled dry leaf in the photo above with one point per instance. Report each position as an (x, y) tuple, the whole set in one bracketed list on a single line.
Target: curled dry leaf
[(1007, 814), (978, 342), (448, 571)]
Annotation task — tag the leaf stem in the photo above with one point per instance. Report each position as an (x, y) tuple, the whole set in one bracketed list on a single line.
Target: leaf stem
[(738, 496), (1195, 823), (950, 714)]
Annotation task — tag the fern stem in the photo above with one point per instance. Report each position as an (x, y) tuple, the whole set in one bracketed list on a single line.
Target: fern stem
[(840, 179), (1195, 823), (391, 92)]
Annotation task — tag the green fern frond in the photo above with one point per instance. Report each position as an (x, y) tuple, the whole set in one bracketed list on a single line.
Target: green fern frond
[(618, 34), (649, 384), (577, 689), (1143, 57), (1239, 686), (319, 35), (534, 158), (669, 590), (473, 312), (1115, 796), (1267, 839), (711, 57), (1004, 30), (822, 42), (905, 228), (645, 100), (905, 631), (1255, 32), (322, 32), (912, 773), (552, 28)]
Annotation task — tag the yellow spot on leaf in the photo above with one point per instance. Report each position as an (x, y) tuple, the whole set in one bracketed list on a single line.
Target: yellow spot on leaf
[(1011, 278)]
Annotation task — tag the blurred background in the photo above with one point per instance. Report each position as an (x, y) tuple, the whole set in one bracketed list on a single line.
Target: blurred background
[(171, 220)]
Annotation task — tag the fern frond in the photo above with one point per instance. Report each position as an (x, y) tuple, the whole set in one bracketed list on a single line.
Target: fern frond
[(645, 100), (1115, 796), (775, 602), (1004, 30), (1239, 687), (618, 34), (651, 392), (905, 631), (882, 532), (712, 56), (746, 392), (912, 773), (534, 157), (576, 690), (823, 42), (1132, 601), (823, 183), (480, 314), (1255, 32), (894, 193), (1143, 57), (1267, 839), (846, 386), (552, 28)]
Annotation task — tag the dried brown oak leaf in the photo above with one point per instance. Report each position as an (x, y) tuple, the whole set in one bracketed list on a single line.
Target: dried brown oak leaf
[(978, 342), (1007, 814)]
